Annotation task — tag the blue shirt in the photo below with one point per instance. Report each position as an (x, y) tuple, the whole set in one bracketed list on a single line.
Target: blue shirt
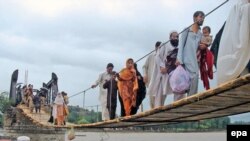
[(187, 54)]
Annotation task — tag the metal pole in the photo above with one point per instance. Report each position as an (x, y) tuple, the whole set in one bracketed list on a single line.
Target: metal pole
[(92, 112), (97, 117), (83, 102)]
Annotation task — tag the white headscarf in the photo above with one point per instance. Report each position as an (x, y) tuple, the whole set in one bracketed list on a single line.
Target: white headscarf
[(59, 99)]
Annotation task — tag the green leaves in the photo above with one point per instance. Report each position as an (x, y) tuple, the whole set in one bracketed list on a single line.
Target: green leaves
[(4, 102), (4, 105), (82, 116)]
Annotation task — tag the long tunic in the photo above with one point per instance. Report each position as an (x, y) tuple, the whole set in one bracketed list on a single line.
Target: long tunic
[(187, 56), (111, 86), (58, 113), (128, 86), (234, 51), (103, 77), (158, 85), (161, 60), (155, 86), (141, 92), (148, 67)]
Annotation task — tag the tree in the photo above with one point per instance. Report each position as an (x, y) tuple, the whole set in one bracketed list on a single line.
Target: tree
[(4, 102), (82, 121), (4, 105)]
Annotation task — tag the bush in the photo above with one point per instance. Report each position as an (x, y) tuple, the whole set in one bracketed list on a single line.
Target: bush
[(82, 121), (1, 120), (4, 103)]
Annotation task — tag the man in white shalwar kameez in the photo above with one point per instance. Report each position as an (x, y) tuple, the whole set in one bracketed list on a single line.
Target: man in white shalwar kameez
[(234, 51), (159, 85), (165, 52), (148, 71), (103, 77)]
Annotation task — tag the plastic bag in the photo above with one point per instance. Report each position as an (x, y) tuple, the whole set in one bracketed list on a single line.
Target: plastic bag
[(180, 80), (71, 134)]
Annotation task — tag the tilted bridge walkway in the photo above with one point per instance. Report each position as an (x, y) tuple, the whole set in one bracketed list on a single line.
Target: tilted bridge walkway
[(230, 98)]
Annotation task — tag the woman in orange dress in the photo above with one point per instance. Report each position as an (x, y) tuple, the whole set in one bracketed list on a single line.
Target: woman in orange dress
[(127, 86)]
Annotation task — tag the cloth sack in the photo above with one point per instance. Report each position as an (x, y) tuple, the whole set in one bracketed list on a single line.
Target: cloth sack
[(71, 134)]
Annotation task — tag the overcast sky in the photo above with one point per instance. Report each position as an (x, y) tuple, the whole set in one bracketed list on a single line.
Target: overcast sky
[(77, 38)]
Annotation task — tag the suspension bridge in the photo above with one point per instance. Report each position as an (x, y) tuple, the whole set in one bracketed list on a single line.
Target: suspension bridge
[(230, 98)]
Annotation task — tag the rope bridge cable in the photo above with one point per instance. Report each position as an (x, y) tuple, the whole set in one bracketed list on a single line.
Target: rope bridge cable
[(80, 92), (92, 106), (163, 43)]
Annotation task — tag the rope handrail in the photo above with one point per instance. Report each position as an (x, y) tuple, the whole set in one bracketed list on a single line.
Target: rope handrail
[(92, 106), (163, 43), (80, 92)]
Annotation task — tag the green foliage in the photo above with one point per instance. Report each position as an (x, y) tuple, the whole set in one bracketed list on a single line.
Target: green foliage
[(73, 115), (4, 103), (203, 125), (82, 121), (1, 120), (82, 116)]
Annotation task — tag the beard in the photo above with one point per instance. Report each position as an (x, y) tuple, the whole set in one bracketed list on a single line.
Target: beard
[(174, 42), (200, 23)]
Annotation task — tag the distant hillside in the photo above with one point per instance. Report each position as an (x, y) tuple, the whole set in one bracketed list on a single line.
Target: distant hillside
[(79, 115)]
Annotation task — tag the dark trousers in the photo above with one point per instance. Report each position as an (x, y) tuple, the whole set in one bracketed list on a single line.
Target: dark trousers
[(133, 110), (248, 66), (37, 109), (122, 107), (112, 112)]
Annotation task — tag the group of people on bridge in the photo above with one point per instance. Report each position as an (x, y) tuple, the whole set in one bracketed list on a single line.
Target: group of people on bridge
[(176, 66), (192, 54), (58, 107)]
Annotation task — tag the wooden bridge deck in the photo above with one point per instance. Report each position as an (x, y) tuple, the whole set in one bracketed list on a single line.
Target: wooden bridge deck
[(227, 99)]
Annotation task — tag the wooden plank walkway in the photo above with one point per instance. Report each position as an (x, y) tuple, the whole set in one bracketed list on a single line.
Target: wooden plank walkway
[(230, 98), (41, 119)]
